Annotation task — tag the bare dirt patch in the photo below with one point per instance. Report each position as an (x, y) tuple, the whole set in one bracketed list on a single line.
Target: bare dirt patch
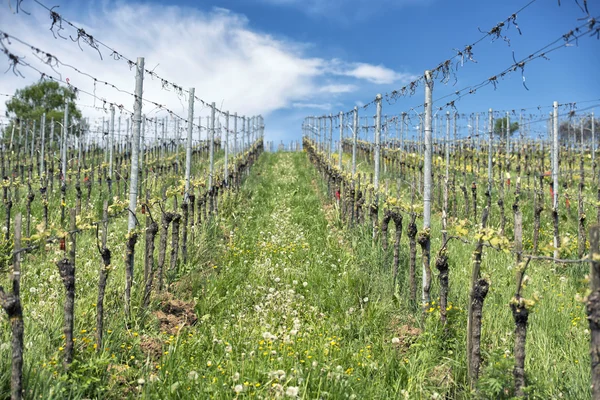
[(151, 347), (174, 314), (406, 332)]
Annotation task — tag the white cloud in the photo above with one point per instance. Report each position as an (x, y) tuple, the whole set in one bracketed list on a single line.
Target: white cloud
[(316, 106), (377, 74), (216, 52), (344, 10), (338, 88)]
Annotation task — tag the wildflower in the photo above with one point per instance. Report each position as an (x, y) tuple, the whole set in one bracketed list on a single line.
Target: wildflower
[(193, 375), (141, 381), (366, 300), (305, 284), (228, 349), (395, 340), (279, 375), (209, 363), (236, 377), (292, 391)]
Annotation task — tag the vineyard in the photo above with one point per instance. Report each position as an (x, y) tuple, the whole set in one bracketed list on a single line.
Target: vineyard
[(387, 252)]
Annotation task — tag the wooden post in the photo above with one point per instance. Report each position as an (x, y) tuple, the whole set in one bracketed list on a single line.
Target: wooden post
[(12, 305), (104, 269), (593, 309)]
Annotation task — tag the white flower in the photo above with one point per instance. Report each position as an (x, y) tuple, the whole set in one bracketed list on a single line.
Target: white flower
[(395, 340), (314, 364), (278, 389), (305, 284), (292, 391), (228, 349), (238, 388), (277, 280), (279, 375), (236, 377), (193, 375), (141, 381), (295, 282), (366, 300)]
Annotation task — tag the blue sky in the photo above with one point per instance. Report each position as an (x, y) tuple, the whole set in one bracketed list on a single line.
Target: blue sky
[(286, 59)]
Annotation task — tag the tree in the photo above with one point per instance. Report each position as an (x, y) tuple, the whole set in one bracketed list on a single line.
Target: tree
[(570, 130), (500, 127), (29, 103)]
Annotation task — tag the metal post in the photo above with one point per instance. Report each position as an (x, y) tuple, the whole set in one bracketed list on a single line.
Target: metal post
[(341, 139), (211, 146), (104, 140), (43, 133), (226, 146), (491, 138), (555, 157), (235, 119), (377, 144), (155, 131), (427, 126), (402, 132), (447, 151), (137, 121), (507, 136), (555, 171), (242, 135), (188, 149), (593, 141), (427, 165), (64, 148), (354, 135), (112, 142), (330, 147), (32, 141)]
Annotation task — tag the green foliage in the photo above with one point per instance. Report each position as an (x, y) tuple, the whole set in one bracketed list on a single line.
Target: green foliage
[(500, 127), (496, 381), (29, 103)]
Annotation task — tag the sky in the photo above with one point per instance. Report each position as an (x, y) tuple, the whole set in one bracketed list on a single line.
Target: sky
[(288, 59)]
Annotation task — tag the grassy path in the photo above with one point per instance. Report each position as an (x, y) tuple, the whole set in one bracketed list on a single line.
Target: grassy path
[(288, 312)]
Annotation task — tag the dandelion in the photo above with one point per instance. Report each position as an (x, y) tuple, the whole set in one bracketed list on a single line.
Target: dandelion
[(236, 377), (366, 300), (395, 340), (141, 381), (209, 363), (292, 391), (305, 284), (228, 349), (193, 376)]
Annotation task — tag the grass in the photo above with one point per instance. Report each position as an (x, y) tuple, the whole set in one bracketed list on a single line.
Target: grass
[(291, 303)]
